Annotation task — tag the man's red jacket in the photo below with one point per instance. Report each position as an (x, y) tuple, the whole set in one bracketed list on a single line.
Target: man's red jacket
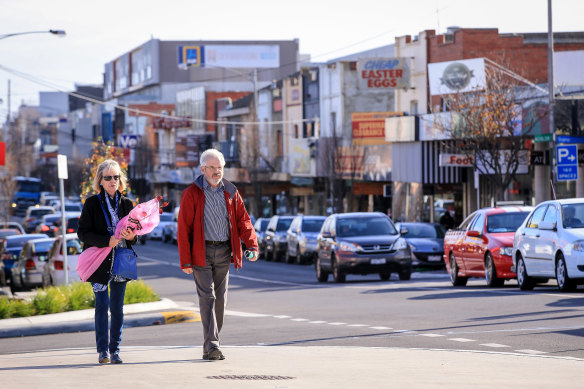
[(191, 234)]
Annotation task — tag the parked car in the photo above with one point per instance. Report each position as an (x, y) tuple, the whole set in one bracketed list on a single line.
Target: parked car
[(301, 238), (54, 270), (550, 244), (5, 232), (426, 242), (28, 269), (163, 230), (260, 226), (47, 224), (12, 225), (11, 248), (361, 243), (72, 223), (276, 244), (33, 215), (482, 245), (70, 206)]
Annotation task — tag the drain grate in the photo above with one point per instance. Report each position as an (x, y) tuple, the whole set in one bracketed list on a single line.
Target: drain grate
[(250, 377)]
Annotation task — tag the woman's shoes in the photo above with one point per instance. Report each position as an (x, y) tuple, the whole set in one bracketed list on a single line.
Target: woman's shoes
[(116, 358), (103, 357)]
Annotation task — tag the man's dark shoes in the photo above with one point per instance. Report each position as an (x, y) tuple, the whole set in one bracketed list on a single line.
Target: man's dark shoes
[(215, 355), (116, 359), (206, 356), (103, 357)]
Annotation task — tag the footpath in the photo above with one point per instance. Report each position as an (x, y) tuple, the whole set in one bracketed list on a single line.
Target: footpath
[(264, 366)]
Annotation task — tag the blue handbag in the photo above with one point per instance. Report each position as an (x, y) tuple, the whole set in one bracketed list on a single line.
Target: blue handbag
[(124, 258)]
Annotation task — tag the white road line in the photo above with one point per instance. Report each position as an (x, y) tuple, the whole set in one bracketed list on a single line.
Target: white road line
[(337, 324), (282, 317), (317, 322), (462, 340), (496, 345), (358, 325), (432, 335), (531, 352), (299, 319), (381, 328)]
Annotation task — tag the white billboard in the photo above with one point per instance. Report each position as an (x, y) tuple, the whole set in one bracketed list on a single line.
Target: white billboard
[(238, 56), (568, 68), (456, 76)]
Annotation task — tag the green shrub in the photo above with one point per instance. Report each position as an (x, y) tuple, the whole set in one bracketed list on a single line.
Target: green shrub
[(139, 292), (50, 300), (22, 308), (6, 308), (80, 296)]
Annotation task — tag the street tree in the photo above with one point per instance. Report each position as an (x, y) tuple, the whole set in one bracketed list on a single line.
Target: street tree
[(492, 126), (8, 186), (100, 151)]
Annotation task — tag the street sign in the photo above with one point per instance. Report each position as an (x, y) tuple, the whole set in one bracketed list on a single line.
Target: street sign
[(567, 157), (569, 139), (543, 138)]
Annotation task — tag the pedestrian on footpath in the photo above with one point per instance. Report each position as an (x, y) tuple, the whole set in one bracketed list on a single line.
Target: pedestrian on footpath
[(212, 223), (109, 182)]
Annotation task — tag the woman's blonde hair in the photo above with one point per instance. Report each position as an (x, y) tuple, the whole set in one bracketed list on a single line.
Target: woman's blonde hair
[(105, 165)]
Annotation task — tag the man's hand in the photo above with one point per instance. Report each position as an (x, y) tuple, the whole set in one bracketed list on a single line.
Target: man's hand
[(188, 270), (251, 255)]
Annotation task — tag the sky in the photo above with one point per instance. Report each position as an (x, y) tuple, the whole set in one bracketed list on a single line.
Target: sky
[(100, 31)]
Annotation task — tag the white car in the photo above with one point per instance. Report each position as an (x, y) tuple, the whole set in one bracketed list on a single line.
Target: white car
[(54, 270), (162, 231), (550, 244)]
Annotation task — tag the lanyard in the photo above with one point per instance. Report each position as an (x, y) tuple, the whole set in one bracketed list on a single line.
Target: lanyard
[(107, 220)]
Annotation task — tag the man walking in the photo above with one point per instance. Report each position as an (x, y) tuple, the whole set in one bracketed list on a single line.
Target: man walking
[(212, 223)]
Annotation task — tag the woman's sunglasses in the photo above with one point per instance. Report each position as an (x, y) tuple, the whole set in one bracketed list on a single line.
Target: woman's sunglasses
[(109, 178)]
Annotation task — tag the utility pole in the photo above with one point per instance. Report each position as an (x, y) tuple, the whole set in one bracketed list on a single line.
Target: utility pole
[(551, 99)]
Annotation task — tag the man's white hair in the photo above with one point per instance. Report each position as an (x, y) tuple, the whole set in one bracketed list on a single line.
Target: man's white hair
[(212, 153)]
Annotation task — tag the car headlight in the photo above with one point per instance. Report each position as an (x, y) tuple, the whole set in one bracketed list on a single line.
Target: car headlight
[(400, 244), (506, 251), (578, 245), (348, 246)]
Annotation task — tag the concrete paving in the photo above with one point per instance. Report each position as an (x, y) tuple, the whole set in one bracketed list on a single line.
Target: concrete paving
[(267, 366)]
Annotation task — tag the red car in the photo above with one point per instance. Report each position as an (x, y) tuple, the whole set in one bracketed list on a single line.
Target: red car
[(482, 245)]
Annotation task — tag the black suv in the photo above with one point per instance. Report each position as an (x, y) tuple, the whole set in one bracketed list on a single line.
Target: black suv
[(361, 243), (276, 244)]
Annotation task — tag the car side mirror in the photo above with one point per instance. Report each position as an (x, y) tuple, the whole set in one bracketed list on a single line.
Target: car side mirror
[(547, 225), (474, 234), (403, 231), (326, 234)]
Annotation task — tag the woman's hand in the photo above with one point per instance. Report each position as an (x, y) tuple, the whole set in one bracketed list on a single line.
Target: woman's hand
[(113, 241), (128, 234)]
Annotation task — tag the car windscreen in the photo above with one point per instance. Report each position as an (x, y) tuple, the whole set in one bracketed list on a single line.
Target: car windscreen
[(40, 212), (72, 208), (505, 222), (361, 226), (50, 219), (19, 241), (312, 225), (166, 217), (283, 224), (424, 231), (42, 247), (5, 233), (264, 224)]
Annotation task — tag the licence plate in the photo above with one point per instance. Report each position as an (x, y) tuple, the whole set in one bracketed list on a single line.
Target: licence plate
[(434, 258), (378, 261)]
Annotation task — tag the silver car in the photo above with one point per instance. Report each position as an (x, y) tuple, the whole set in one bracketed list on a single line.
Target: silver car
[(28, 269), (301, 237)]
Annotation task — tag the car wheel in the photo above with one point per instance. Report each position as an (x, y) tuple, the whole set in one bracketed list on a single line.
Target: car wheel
[(298, 258), (455, 279), (405, 274), (269, 255), (289, 258), (338, 274), (565, 284), (384, 276), (321, 275), (525, 282), (14, 288), (491, 272)]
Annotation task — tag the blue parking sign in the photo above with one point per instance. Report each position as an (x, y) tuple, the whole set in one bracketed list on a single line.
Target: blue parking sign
[(567, 157)]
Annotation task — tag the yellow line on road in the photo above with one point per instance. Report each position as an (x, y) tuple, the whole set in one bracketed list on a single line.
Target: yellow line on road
[(180, 317)]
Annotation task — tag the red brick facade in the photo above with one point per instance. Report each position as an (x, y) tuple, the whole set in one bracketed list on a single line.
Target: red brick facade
[(211, 97)]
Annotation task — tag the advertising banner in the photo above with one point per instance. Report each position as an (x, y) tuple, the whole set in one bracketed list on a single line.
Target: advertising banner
[(456, 76), (384, 73), (189, 149), (368, 128), (400, 129)]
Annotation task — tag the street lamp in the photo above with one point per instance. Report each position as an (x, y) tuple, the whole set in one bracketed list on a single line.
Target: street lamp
[(60, 33)]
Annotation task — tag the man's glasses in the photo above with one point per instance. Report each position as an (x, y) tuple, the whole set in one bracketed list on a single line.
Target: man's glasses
[(214, 168), (109, 178)]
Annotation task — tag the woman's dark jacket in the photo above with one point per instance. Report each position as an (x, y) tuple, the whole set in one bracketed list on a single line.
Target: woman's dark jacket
[(93, 230)]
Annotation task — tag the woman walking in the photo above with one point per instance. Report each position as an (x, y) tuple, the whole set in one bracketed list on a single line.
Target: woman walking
[(95, 230)]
